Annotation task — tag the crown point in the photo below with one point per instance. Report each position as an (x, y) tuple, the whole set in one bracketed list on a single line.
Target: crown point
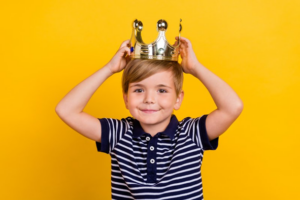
[(135, 23), (162, 25), (138, 25)]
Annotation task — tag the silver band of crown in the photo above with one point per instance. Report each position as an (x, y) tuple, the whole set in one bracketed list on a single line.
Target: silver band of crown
[(160, 49)]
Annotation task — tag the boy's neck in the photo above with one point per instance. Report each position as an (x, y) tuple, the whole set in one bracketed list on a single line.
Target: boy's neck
[(153, 129)]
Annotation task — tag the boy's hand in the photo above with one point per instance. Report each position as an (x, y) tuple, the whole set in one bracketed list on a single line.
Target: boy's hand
[(121, 58), (189, 59)]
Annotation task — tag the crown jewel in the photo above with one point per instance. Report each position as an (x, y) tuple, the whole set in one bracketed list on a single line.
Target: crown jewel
[(160, 49)]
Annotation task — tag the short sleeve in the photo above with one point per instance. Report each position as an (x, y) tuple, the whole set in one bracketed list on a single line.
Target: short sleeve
[(197, 131), (112, 131)]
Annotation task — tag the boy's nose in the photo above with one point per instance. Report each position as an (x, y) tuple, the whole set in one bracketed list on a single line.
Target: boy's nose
[(149, 98), (149, 101)]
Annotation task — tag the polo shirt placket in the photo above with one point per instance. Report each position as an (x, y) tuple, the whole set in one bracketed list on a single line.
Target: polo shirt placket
[(151, 158)]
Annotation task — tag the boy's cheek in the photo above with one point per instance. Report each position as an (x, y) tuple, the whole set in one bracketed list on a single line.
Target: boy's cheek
[(168, 101)]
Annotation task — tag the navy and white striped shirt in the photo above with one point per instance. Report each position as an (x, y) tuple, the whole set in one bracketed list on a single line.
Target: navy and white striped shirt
[(166, 166)]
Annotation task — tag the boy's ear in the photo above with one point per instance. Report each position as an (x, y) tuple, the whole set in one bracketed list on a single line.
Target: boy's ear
[(125, 100), (179, 100)]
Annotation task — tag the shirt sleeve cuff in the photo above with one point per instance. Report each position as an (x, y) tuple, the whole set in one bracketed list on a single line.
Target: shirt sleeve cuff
[(207, 144), (103, 146)]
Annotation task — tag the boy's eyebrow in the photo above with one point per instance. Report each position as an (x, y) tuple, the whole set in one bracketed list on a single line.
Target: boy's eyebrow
[(160, 85)]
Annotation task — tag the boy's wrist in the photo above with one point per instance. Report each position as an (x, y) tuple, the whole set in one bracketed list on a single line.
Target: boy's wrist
[(107, 68), (195, 69)]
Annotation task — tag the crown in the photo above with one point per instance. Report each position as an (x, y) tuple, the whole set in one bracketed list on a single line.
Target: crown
[(160, 49)]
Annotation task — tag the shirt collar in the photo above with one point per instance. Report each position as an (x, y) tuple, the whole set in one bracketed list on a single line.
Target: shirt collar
[(170, 130)]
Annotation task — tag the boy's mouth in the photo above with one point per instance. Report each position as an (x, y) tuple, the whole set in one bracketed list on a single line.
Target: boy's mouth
[(149, 111)]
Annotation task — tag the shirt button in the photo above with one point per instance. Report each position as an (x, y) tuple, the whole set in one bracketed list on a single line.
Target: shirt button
[(152, 161), (147, 138), (151, 148)]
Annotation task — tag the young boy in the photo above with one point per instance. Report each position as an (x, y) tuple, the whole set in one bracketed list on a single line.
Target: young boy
[(153, 155)]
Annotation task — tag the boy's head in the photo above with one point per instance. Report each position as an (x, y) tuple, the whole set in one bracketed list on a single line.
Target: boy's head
[(152, 89), (138, 70)]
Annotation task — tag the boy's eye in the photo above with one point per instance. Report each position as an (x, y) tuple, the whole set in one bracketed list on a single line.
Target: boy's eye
[(138, 90), (162, 91)]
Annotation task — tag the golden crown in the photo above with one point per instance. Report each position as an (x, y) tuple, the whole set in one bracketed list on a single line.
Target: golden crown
[(160, 49)]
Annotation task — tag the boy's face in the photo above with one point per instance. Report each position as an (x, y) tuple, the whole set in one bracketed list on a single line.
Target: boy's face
[(152, 100)]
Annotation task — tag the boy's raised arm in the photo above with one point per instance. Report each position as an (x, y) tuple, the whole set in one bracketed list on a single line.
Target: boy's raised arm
[(70, 108), (229, 105)]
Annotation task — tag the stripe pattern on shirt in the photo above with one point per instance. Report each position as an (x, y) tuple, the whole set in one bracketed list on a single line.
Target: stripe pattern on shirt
[(174, 170)]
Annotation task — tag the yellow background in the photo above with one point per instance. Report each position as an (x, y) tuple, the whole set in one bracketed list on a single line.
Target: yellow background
[(48, 47)]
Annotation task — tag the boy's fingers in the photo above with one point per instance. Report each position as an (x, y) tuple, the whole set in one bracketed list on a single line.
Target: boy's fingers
[(183, 39), (184, 42), (175, 43), (124, 50), (125, 44)]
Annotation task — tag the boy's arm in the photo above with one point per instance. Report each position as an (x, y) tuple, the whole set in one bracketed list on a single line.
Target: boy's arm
[(70, 108), (229, 105)]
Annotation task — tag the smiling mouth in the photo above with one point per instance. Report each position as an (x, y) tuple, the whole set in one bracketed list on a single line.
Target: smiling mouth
[(149, 111)]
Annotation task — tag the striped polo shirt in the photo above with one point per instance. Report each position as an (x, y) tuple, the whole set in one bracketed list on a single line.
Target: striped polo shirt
[(165, 166)]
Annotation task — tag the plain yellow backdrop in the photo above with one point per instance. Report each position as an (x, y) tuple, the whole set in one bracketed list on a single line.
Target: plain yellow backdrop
[(48, 47)]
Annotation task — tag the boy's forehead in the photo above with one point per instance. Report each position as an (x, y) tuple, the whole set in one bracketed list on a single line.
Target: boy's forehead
[(164, 78)]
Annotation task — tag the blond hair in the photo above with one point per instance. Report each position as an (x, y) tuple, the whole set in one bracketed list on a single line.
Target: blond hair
[(139, 69)]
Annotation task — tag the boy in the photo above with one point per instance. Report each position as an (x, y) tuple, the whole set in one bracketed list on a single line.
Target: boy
[(153, 156)]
